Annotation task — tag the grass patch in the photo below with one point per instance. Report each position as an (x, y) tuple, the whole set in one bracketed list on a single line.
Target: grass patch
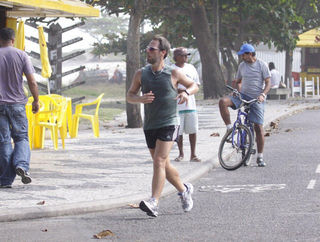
[(94, 90), (105, 114)]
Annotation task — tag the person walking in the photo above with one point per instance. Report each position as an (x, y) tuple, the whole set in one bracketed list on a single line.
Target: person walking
[(187, 110), (158, 83), (253, 81), (13, 121), (275, 76)]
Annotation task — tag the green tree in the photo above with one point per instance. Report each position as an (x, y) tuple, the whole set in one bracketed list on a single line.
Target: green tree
[(135, 9)]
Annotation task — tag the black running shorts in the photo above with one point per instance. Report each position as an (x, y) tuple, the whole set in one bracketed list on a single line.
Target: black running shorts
[(168, 133)]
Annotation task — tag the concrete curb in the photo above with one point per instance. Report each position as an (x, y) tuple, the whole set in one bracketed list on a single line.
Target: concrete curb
[(102, 205)]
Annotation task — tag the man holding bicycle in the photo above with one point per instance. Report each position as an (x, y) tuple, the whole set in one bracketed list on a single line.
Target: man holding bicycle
[(253, 81)]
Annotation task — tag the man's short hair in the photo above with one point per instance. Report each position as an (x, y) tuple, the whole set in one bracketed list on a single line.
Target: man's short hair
[(180, 51), (271, 66), (163, 44), (7, 34)]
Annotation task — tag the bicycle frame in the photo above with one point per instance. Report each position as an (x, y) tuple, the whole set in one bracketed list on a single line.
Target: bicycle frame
[(240, 139), (241, 115)]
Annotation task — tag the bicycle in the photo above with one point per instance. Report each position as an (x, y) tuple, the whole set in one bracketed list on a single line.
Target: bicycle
[(236, 146)]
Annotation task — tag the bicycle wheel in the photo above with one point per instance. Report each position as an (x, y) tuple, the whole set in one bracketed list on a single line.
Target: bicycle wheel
[(253, 148), (235, 148)]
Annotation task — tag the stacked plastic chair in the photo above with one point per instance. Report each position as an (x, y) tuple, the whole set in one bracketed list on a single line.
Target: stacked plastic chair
[(52, 117)]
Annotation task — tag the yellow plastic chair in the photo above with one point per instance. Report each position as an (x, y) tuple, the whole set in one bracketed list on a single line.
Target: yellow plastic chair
[(94, 119), (30, 117), (61, 100), (51, 117)]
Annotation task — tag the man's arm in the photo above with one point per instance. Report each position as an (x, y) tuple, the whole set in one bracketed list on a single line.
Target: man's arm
[(33, 86), (237, 84), (132, 94), (266, 89), (191, 86)]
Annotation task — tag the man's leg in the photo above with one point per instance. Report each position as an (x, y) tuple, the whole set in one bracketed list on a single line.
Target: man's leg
[(180, 146), (256, 116), (7, 173), (180, 140), (160, 159), (160, 156), (224, 103), (260, 137), (193, 141), (260, 144), (173, 177), (19, 133), (185, 190)]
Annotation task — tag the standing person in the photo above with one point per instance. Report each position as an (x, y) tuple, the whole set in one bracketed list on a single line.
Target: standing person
[(254, 77), (158, 83), (275, 76), (187, 111), (13, 121)]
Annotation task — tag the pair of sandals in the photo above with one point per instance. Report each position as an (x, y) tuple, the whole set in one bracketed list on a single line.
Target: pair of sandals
[(194, 159)]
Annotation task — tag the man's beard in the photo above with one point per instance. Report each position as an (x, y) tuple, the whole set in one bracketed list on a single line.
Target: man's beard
[(151, 60)]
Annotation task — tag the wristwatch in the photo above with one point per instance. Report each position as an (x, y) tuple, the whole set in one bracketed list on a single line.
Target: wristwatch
[(186, 92)]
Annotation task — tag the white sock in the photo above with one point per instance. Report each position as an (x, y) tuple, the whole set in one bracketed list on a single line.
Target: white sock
[(260, 155), (229, 126), (153, 199)]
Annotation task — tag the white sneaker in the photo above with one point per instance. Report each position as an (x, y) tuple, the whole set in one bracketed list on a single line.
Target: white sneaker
[(186, 199), (150, 207)]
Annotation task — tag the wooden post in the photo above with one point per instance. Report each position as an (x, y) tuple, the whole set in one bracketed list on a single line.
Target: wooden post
[(55, 56)]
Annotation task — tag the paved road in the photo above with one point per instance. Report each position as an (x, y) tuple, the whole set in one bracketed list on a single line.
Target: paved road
[(112, 171), (275, 203)]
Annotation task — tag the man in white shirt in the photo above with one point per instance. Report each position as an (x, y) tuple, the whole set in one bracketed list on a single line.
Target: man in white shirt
[(275, 76), (187, 111)]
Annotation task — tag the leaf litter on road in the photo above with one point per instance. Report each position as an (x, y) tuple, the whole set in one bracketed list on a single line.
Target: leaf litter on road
[(103, 234)]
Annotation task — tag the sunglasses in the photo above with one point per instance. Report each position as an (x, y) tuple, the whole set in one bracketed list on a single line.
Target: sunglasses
[(247, 53), (149, 48)]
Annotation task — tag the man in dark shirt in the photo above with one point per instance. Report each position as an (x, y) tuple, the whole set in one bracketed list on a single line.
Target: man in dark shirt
[(13, 121), (159, 84)]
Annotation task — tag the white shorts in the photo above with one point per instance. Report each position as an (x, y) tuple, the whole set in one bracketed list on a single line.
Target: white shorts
[(188, 123)]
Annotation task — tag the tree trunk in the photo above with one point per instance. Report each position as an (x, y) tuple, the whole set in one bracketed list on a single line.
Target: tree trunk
[(213, 82), (133, 59), (229, 72), (288, 73), (216, 25)]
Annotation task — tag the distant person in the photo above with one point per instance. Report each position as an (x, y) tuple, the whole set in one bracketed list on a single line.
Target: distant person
[(117, 76), (188, 110), (159, 83), (275, 76), (13, 121), (253, 81)]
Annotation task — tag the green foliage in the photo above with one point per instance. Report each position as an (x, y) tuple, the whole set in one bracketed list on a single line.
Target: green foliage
[(269, 21)]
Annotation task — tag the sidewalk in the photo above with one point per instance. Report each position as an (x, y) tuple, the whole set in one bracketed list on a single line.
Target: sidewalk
[(114, 170)]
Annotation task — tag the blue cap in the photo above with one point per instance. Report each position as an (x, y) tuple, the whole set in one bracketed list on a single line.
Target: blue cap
[(246, 48)]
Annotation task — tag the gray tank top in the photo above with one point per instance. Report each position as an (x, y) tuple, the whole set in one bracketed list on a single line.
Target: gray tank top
[(162, 111)]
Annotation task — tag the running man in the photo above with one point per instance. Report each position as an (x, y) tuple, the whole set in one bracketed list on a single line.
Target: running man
[(158, 83)]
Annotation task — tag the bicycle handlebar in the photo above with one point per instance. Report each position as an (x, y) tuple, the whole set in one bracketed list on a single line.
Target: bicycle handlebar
[(238, 94)]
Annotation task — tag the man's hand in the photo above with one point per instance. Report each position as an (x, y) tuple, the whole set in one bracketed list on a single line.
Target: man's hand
[(35, 106), (183, 97), (147, 97), (261, 98)]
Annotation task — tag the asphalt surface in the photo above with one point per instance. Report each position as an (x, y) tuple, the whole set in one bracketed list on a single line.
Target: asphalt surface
[(115, 170)]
